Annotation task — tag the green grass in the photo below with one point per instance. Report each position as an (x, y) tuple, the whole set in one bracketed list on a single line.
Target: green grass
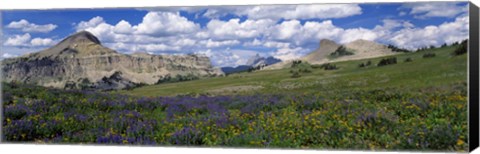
[(418, 105), (443, 69)]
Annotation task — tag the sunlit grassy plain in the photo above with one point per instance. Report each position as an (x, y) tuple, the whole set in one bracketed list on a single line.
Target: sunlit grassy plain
[(444, 69)]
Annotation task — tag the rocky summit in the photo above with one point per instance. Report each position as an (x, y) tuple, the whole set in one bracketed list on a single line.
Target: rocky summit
[(80, 61), (358, 49)]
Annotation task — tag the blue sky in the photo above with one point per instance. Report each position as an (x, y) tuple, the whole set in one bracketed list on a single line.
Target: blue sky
[(229, 35)]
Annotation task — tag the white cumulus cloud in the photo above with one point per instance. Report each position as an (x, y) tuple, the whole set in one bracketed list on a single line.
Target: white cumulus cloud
[(42, 42), (286, 30), (91, 23), (123, 27), (18, 40), (234, 29), (310, 32), (213, 44), (353, 34), (227, 57), (26, 26), (436, 9), (275, 12), (166, 23), (286, 54), (26, 40), (448, 32)]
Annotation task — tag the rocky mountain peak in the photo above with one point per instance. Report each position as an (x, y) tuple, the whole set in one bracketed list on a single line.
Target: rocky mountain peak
[(327, 42), (80, 61), (82, 36), (361, 41), (258, 60), (325, 48), (252, 60), (366, 46), (360, 48), (80, 44)]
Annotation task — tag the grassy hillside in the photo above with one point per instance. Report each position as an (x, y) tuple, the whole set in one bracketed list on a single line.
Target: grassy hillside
[(417, 105), (443, 69)]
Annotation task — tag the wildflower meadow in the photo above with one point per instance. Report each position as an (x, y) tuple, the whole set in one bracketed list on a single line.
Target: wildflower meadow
[(376, 119)]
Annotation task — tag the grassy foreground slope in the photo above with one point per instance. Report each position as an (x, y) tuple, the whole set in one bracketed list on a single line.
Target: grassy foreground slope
[(419, 105), (443, 69)]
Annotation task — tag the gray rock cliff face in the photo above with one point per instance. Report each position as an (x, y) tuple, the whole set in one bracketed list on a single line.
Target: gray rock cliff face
[(81, 59)]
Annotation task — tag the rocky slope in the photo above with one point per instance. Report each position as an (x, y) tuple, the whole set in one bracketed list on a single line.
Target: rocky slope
[(360, 49), (256, 62), (321, 53), (81, 61)]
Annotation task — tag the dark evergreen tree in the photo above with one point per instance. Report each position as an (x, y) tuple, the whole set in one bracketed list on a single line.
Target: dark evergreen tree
[(328, 66), (361, 65), (444, 45), (397, 49), (341, 51), (462, 49)]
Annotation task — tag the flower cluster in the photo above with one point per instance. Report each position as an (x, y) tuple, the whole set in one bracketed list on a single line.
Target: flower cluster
[(376, 119)]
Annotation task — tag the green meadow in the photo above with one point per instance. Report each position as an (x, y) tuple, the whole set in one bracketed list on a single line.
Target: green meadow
[(414, 104), (442, 70)]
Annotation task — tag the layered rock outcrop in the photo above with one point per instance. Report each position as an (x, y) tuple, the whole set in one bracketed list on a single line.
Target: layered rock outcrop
[(81, 61)]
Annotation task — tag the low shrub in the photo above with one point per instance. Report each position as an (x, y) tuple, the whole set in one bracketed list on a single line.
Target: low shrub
[(328, 66), (305, 70), (428, 55), (361, 65), (387, 61), (408, 59), (296, 74), (368, 63), (295, 63), (177, 78)]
